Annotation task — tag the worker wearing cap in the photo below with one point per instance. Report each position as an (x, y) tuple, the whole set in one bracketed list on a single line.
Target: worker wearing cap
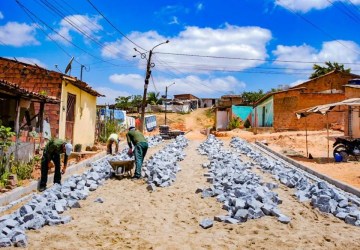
[(113, 138), (52, 152), (137, 139)]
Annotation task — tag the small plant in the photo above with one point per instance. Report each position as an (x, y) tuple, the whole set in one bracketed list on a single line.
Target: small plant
[(43, 92), (22, 170), (235, 122), (77, 147)]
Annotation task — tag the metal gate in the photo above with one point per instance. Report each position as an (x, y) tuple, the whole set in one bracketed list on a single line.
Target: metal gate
[(70, 117)]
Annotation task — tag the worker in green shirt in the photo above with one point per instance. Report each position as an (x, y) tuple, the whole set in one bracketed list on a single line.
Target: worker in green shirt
[(113, 138), (52, 152), (137, 139)]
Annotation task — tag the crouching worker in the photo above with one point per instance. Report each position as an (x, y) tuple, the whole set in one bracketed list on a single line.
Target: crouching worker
[(137, 139), (52, 152), (113, 138)]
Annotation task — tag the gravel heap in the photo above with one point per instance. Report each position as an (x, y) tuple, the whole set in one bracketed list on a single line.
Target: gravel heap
[(161, 168), (322, 195), (243, 194)]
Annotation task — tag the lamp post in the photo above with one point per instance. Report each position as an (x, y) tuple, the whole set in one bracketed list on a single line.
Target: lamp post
[(149, 65), (166, 89)]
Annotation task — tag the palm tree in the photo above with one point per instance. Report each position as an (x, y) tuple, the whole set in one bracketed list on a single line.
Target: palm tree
[(319, 70), (153, 98)]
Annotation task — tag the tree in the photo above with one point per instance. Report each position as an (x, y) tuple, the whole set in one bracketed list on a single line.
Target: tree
[(330, 66), (153, 98), (136, 101), (123, 102), (252, 96)]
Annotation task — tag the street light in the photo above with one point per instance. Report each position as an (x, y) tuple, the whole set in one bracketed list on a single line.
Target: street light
[(166, 89), (149, 65)]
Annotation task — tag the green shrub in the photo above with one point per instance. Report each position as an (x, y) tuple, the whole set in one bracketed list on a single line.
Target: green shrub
[(22, 170), (77, 147), (235, 122)]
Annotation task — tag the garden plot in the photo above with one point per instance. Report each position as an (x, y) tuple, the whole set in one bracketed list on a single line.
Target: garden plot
[(243, 194), (321, 194)]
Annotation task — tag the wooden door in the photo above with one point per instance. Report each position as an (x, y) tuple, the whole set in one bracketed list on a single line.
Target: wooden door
[(70, 117)]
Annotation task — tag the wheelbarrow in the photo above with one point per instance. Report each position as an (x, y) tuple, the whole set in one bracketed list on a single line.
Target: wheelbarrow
[(122, 168)]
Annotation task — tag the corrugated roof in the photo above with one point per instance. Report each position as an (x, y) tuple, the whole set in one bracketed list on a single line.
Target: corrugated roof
[(14, 90)]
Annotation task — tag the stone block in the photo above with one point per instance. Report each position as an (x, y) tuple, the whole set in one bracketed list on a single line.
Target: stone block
[(220, 218), (20, 240), (73, 203), (5, 242), (99, 200), (66, 219), (350, 220), (241, 214), (206, 223), (231, 220), (284, 219), (341, 215)]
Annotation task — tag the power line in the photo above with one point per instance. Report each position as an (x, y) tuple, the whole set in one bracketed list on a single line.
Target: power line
[(29, 13), (345, 10), (114, 26), (246, 59), (317, 27)]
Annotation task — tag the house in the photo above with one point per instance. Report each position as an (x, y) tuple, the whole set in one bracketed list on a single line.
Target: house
[(77, 107), (352, 114), (224, 111), (277, 109), (208, 102), (15, 103), (193, 100)]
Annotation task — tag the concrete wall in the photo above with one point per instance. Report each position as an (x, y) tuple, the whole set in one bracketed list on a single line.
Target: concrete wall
[(352, 129), (263, 114), (222, 119), (85, 115), (287, 103)]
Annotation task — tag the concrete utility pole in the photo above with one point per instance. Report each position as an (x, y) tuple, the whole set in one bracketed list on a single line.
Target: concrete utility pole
[(149, 65), (166, 90)]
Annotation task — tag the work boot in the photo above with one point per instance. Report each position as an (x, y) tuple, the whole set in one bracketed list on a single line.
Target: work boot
[(42, 189), (136, 177)]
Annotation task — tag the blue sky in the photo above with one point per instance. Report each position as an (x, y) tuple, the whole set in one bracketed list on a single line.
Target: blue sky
[(215, 48)]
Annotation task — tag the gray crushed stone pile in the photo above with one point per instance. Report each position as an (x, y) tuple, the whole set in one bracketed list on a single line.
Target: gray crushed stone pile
[(161, 168), (321, 194), (243, 194)]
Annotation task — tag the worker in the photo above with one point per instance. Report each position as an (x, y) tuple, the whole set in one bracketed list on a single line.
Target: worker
[(137, 139), (113, 138), (52, 152)]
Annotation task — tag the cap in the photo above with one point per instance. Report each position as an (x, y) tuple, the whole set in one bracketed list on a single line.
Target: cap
[(68, 148), (131, 127)]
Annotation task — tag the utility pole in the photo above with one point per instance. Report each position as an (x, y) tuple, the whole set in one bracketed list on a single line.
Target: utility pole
[(149, 65), (166, 90)]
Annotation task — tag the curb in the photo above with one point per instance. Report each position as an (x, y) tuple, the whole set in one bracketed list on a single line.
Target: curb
[(19, 192), (336, 183)]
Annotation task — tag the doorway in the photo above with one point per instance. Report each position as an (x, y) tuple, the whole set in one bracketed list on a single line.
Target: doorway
[(70, 117)]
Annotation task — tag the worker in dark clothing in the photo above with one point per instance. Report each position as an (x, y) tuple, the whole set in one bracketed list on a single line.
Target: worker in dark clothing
[(52, 152), (136, 138)]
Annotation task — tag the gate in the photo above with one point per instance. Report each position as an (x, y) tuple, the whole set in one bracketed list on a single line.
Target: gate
[(70, 117)]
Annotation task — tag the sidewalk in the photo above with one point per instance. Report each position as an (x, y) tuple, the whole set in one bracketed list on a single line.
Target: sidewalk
[(15, 196)]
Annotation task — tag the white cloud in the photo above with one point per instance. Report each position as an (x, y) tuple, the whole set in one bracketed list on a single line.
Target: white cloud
[(174, 20), (307, 5), (1, 15), (81, 24), (199, 6), (195, 84), (228, 41), (297, 82), (18, 34), (110, 95)]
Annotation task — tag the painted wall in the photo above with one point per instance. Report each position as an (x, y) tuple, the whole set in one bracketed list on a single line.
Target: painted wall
[(352, 92), (264, 113), (85, 115), (242, 112), (222, 120)]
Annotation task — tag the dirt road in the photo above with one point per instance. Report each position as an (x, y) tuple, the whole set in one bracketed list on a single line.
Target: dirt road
[(133, 218)]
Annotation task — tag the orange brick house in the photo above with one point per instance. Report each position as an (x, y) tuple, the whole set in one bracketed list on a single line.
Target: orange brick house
[(77, 109), (277, 109)]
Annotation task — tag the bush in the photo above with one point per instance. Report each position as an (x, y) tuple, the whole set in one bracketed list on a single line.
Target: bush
[(22, 170), (235, 122), (77, 147)]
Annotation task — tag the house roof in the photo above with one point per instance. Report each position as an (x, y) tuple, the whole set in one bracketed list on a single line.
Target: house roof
[(323, 109), (11, 89), (231, 96), (78, 83), (273, 93), (327, 74)]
